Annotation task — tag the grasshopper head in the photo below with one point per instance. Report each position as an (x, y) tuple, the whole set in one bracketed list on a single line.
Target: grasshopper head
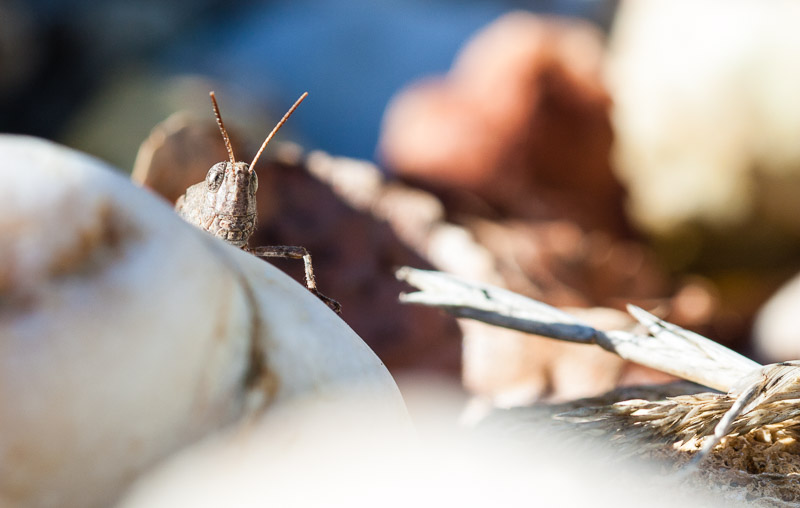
[(229, 207)]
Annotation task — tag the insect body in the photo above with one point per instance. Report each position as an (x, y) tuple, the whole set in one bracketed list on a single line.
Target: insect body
[(224, 204)]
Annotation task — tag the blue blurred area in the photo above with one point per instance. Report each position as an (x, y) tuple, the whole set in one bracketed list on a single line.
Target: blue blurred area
[(351, 55)]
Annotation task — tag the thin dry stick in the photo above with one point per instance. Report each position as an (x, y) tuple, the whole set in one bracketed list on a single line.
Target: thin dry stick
[(755, 396), (668, 348)]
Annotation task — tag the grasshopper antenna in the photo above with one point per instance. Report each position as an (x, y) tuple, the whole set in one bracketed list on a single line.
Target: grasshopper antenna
[(222, 129), (280, 124)]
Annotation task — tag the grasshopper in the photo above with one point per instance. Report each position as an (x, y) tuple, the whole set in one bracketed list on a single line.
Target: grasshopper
[(224, 204)]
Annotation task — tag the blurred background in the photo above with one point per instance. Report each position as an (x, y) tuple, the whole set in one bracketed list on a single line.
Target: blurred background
[(73, 69), (600, 151)]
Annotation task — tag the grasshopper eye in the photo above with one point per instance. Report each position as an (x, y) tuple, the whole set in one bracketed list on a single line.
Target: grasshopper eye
[(215, 176), (253, 181)]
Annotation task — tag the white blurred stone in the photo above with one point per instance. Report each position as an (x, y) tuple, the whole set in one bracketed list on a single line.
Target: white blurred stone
[(776, 330), (706, 111), (520, 463), (126, 334)]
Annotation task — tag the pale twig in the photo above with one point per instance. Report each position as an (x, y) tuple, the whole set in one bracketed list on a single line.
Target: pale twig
[(755, 395), (493, 305), (668, 348)]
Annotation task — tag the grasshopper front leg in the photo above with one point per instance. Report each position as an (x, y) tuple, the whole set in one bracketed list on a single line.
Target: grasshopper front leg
[(297, 252)]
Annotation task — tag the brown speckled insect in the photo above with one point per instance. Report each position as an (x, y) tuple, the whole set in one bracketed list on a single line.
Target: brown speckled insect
[(224, 204)]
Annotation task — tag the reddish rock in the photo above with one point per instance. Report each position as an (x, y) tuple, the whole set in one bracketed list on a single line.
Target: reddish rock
[(521, 123)]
